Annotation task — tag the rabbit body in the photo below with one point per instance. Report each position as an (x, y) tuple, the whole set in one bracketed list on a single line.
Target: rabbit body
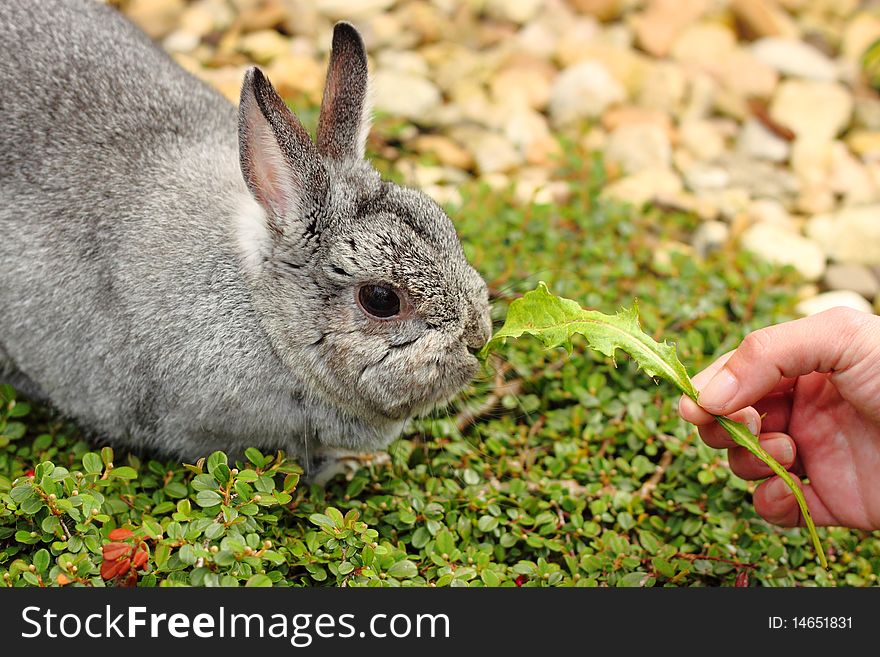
[(181, 275)]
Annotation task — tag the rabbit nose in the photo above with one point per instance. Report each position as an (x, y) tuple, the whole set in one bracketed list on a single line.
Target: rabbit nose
[(477, 333)]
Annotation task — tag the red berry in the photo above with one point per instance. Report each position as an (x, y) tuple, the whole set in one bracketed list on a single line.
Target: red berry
[(520, 580), (742, 579)]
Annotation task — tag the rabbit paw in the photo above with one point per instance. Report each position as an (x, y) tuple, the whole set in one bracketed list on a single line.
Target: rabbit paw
[(328, 464)]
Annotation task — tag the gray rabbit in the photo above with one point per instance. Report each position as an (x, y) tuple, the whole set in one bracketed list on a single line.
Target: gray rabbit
[(182, 276)]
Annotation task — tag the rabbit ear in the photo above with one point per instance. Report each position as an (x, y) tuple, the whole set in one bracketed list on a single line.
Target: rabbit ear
[(345, 113), (280, 164)]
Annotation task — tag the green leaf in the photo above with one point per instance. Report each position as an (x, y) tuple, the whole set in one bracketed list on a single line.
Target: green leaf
[(403, 570), (124, 472), (555, 321), (208, 498), (92, 463), (259, 580), (41, 560), (254, 455)]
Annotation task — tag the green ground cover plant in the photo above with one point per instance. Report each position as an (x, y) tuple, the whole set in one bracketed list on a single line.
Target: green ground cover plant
[(552, 469)]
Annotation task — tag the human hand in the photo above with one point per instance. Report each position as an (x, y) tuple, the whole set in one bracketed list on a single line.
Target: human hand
[(816, 384)]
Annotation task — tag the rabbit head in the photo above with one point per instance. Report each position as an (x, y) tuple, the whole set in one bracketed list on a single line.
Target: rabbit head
[(362, 285)]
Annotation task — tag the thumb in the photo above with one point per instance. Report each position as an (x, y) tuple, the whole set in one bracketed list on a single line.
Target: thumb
[(827, 342)]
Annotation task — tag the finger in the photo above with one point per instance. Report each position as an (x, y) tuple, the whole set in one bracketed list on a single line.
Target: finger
[(775, 412), (714, 435), (775, 502), (819, 343), (748, 466), (688, 409), (692, 412)]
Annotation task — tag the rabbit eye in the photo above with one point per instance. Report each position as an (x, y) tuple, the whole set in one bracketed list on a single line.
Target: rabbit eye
[(379, 301)]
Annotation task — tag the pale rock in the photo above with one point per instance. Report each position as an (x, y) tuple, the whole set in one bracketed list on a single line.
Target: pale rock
[(813, 108), (849, 177), (337, 10), (264, 45), (756, 141), (795, 58), (528, 181), (155, 17), (646, 185), (292, 74), (180, 41), (761, 179), (638, 146), (403, 61), (202, 18), (850, 235), (771, 211), (604, 10), (860, 32), (710, 236), (583, 91), (525, 126), (574, 39), (704, 44), (776, 245), (835, 299), (811, 159), (556, 192), (727, 202), (857, 278), (866, 113), (422, 22), (594, 141), (701, 97), (702, 138), (629, 114), (657, 27), (446, 151), (622, 63), (664, 87), (301, 18), (226, 80), (445, 195), (523, 83), (815, 199), (704, 177), (764, 18), (865, 143), (538, 38), (515, 11), (747, 76), (492, 152), (404, 94), (387, 31), (262, 16)]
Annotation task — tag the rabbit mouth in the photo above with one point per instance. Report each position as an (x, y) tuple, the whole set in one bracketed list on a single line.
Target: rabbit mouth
[(399, 386)]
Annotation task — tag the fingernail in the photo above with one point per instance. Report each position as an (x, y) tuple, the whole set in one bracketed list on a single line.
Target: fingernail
[(777, 491), (781, 447), (719, 392), (753, 424)]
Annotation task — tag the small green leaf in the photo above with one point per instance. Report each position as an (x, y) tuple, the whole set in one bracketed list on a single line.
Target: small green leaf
[(124, 472), (41, 560), (92, 463), (259, 581), (403, 570), (208, 498)]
